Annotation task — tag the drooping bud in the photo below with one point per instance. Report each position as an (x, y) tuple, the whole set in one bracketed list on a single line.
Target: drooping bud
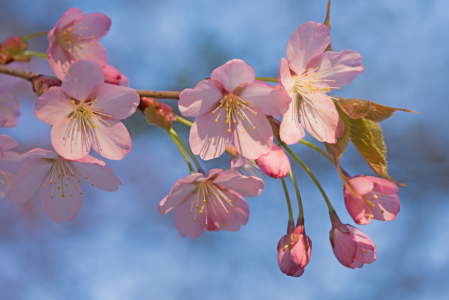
[(157, 113), (275, 163), (12, 50), (42, 83), (351, 247)]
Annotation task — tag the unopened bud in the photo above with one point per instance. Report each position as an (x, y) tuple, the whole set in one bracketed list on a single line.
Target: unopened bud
[(113, 76), (12, 50), (42, 83), (275, 163), (157, 113)]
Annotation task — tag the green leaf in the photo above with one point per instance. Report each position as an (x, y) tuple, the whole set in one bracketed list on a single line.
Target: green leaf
[(357, 109)]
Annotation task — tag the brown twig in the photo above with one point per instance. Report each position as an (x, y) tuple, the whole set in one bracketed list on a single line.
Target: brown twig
[(28, 75)]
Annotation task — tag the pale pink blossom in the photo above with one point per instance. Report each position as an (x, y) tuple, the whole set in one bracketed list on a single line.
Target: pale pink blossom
[(76, 36), (230, 108), (113, 76), (275, 163), (307, 75), (294, 251), (6, 178), (85, 112), (351, 247), (210, 202), (376, 199), (58, 181)]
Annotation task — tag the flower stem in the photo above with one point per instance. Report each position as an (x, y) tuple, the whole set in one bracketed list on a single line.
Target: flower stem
[(289, 205), (182, 151), (329, 205), (308, 144), (187, 149), (32, 36), (184, 121), (37, 54), (268, 79), (300, 220)]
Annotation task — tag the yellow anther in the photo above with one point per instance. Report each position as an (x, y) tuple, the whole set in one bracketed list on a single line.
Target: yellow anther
[(216, 120), (365, 251), (356, 256), (88, 55), (70, 50), (382, 211), (332, 70), (334, 80), (80, 27), (44, 185), (243, 132), (79, 23), (372, 216), (255, 112), (109, 125), (90, 44), (254, 127), (93, 37), (81, 35), (229, 130), (69, 42)]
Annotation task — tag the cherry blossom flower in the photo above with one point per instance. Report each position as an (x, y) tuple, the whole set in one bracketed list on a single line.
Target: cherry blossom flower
[(376, 199), (294, 253), (76, 36), (351, 247), (113, 76), (307, 75), (6, 178), (275, 163), (230, 108), (210, 202), (58, 181), (85, 113)]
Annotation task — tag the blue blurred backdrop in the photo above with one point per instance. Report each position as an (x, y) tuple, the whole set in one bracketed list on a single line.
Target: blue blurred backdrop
[(119, 247)]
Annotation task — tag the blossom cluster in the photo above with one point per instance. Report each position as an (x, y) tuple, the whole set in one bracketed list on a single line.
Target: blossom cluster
[(234, 112)]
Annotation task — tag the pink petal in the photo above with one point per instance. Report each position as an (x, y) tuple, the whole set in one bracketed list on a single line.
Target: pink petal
[(118, 101), (111, 75), (345, 247), (247, 186), (53, 105), (356, 207), (343, 67), (98, 25), (291, 130), (70, 16), (390, 206), (193, 224), (285, 77), (59, 59), (267, 99), (178, 194), (382, 185), (253, 137), (29, 178), (319, 119), (9, 109), (234, 73), (209, 138), (81, 78), (98, 175), (275, 164), (69, 142), (361, 185), (39, 153), (309, 40), (60, 208), (94, 51), (200, 100), (286, 263), (7, 143), (300, 253), (3, 120), (124, 80), (112, 142), (235, 217)]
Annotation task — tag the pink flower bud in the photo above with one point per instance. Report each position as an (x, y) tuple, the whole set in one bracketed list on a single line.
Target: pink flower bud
[(113, 76), (351, 247), (12, 50), (42, 83), (294, 250), (376, 199), (275, 164), (157, 113)]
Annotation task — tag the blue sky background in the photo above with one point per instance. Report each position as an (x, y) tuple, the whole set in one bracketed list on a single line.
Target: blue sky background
[(119, 247)]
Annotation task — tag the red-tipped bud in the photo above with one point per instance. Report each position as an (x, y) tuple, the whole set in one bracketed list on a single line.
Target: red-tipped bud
[(12, 50), (42, 83), (157, 113), (275, 163)]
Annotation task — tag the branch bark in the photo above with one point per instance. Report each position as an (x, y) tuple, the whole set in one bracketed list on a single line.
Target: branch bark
[(28, 75)]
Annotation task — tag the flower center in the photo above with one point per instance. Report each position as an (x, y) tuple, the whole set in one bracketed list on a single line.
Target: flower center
[(371, 199), (72, 38), (64, 175), (83, 122), (209, 198), (235, 109)]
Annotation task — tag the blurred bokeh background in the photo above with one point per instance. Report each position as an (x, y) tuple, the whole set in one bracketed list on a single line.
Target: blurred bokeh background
[(119, 247)]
